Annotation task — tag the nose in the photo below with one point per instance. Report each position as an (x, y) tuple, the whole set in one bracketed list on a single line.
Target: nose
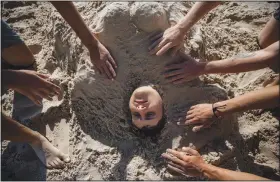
[(141, 107)]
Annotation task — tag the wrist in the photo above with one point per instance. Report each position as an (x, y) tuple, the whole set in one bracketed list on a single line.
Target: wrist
[(202, 68), (210, 171), (91, 43), (220, 109), (183, 29), (210, 67), (185, 24)]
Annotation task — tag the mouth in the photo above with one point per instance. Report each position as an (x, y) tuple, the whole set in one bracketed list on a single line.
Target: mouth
[(140, 101)]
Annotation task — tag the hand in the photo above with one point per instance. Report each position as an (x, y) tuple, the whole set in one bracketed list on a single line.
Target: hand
[(185, 162), (103, 61), (200, 115), (178, 73), (172, 37), (32, 84)]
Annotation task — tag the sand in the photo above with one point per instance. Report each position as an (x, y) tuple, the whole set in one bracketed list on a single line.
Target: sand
[(89, 122)]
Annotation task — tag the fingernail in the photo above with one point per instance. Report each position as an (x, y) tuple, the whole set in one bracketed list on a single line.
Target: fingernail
[(67, 159)]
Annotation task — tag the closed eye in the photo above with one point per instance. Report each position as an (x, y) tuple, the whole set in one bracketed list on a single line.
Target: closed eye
[(136, 115), (150, 115)]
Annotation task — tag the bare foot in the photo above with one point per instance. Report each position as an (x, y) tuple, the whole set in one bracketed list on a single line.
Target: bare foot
[(51, 157)]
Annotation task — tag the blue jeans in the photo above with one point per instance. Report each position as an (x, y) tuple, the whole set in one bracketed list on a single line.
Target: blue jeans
[(23, 107)]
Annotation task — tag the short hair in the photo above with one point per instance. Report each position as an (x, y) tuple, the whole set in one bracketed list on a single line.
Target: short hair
[(149, 131)]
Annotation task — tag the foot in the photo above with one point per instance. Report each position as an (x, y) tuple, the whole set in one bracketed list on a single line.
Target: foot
[(51, 157)]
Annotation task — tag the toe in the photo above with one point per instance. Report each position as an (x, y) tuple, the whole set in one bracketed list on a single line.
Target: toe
[(56, 164), (60, 163), (53, 165), (65, 158), (49, 166)]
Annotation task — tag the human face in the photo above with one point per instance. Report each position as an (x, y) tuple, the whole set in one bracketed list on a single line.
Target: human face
[(145, 105)]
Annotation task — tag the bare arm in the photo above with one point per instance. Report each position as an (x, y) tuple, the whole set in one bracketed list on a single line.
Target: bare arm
[(187, 161), (14, 131), (173, 37), (260, 99), (198, 10), (202, 115), (100, 56), (190, 68), (216, 173), (249, 62), (69, 12), (35, 86)]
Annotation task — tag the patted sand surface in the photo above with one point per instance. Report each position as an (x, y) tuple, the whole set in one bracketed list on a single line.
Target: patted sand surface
[(90, 122)]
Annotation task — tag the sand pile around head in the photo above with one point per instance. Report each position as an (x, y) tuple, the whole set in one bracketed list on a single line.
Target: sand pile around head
[(101, 106), (90, 122)]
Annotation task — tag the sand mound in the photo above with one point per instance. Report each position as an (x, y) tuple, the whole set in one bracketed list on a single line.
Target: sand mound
[(90, 122)]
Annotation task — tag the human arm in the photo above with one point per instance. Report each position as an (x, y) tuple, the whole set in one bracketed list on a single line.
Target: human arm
[(173, 37), (183, 72), (99, 55), (202, 115), (246, 62), (21, 132), (188, 161), (31, 84)]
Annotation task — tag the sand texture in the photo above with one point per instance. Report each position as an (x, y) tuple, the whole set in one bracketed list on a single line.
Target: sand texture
[(89, 122)]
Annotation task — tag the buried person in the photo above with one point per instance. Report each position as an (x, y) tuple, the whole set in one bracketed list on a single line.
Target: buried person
[(146, 108)]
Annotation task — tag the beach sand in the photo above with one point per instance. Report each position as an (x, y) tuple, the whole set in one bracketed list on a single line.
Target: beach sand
[(89, 122)]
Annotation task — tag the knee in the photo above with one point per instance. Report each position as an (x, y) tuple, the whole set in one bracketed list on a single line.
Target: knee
[(18, 55)]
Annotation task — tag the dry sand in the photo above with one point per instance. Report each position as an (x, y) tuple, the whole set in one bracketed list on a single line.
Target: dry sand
[(89, 123)]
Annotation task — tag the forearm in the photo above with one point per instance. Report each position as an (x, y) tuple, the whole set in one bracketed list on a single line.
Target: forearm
[(216, 173), (8, 78), (198, 10), (16, 132), (260, 99), (69, 12), (246, 62)]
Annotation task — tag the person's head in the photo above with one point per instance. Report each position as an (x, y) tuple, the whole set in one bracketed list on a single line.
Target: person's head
[(146, 107)]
